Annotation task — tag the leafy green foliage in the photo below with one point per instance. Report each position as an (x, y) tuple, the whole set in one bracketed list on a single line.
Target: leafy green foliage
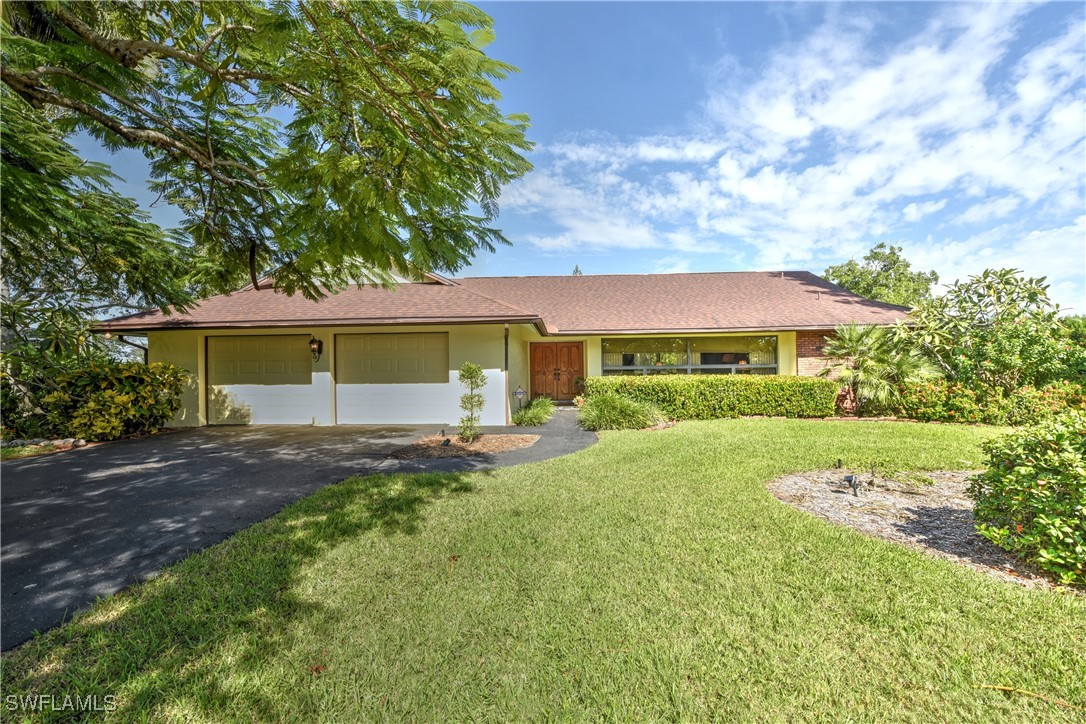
[(1032, 498), (873, 364), (998, 330), (707, 397), (938, 400), (885, 275), (72, 247), (609, 411), (537, 412), (105, 401), (471, 377), (392, 157)]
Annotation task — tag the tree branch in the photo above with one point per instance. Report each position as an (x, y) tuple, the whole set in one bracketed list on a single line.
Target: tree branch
[(37, 96)]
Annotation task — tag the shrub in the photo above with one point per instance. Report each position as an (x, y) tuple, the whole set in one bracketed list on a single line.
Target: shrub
[(707, 397), (471, 376), (615, 412), (943, 401), (108, 400), (536, 412), (1032, 498)]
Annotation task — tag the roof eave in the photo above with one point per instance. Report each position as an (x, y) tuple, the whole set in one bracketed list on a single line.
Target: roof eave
[(105, 327)]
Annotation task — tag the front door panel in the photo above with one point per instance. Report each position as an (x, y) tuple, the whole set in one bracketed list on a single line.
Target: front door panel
[(543, 366), (570, 369), (556, 368)]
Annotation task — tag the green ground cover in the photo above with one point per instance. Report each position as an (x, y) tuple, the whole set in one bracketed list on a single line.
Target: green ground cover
[(648, 577)]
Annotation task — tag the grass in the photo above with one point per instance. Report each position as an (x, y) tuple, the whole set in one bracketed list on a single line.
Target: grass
[(25, 451), (648, 577)]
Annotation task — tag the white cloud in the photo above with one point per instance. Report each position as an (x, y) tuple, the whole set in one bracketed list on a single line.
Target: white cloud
[(915, 212), (837, 142), (989, 210)]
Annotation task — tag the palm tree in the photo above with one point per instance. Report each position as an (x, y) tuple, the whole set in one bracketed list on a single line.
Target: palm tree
[(873, 363)]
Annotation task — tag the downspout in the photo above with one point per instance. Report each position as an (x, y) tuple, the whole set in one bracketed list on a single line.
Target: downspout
[(508, 419)]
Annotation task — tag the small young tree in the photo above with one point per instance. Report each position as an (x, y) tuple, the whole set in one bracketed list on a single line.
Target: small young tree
[(472, 377)]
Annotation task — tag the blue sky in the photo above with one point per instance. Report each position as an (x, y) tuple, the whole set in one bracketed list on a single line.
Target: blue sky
[(679, 137), (722, 136)]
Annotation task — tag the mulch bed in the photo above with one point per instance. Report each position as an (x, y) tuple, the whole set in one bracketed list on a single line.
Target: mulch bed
[(432, 446), (935, 518)]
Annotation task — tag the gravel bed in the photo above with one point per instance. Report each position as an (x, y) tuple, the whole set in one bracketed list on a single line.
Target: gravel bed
[(935, 517)]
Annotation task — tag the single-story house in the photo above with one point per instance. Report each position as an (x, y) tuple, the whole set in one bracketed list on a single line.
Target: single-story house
[(375, 355)]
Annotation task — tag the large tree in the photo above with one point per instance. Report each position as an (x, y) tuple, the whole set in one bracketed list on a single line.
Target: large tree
[(998, 330), (309, 143), (885, 275)]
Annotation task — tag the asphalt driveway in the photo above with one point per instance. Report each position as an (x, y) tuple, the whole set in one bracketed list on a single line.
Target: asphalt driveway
[(78, 525)]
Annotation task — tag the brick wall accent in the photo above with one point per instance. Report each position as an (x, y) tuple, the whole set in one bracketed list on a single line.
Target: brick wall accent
[(809, 344)]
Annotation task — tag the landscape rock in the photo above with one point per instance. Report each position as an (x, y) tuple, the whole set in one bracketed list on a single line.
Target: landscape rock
[(79, 443)]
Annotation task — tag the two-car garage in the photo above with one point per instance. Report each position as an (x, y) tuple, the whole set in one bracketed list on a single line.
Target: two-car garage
[(362, 378)]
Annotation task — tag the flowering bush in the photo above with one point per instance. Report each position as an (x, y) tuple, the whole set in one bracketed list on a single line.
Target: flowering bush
[(939, 400), (1032, 498)]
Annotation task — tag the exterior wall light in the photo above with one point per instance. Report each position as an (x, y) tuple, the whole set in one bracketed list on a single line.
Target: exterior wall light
[(316, 346)]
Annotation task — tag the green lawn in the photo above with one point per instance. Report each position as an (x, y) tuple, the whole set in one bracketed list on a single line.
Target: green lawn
[(648, 577)]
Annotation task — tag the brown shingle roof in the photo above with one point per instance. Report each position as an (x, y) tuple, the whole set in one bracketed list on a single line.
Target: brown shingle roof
[(407, 304), (732, 301), (610, 303)]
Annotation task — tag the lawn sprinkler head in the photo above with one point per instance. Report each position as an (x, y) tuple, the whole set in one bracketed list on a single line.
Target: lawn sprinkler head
[(853, 482)]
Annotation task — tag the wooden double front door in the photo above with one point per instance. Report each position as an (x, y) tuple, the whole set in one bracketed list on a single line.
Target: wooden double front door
[(557, 367)]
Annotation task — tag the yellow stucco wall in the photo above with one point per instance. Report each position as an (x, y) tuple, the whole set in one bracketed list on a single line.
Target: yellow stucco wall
[(482, 344)]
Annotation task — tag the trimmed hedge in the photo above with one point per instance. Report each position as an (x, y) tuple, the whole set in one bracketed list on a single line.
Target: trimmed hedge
[(709, 397), (1032, 498)]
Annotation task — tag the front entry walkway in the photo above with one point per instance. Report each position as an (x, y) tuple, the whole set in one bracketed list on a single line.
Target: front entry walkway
[(86, 523)]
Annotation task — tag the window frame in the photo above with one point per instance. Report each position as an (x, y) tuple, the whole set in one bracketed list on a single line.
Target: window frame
[(689, 368)]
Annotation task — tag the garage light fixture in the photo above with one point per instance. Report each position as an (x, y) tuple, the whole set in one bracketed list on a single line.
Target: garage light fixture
[(316, 346)]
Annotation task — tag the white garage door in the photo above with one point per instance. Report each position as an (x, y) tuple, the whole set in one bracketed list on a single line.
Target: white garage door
[(394, 378), (259, 380)]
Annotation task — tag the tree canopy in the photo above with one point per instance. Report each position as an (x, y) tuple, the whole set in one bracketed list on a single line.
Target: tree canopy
[(309, 143), (885, 275), (996, 330)]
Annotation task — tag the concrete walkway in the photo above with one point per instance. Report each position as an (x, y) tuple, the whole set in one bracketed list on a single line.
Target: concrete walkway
[(86, 523)]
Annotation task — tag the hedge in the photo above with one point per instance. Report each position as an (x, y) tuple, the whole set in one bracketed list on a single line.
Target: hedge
[(708, 397), (939, 400)]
